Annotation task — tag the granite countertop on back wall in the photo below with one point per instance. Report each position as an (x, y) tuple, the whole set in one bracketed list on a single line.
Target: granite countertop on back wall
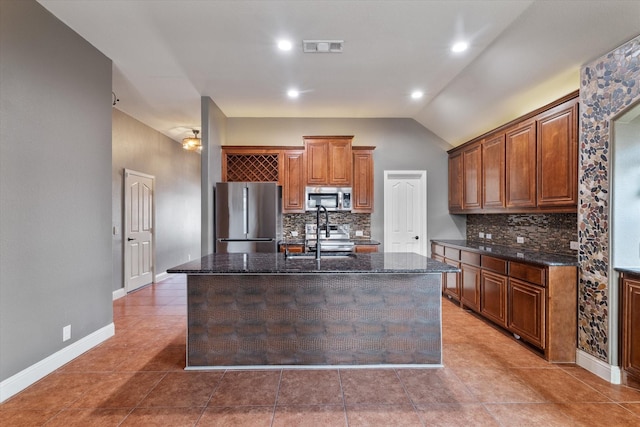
[(512, 254), (358, 241)]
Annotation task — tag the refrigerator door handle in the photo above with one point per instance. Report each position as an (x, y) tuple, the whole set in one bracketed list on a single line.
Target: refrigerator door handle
[(245, 210)]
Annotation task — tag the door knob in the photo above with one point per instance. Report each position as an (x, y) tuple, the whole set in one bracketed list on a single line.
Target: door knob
[(129, 239), (417, 237)]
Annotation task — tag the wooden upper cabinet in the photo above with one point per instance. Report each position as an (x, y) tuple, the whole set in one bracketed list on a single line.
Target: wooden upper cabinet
[(455, 182), (558, 156), (293, 185), (328, 160), (493, 172), (472, 173), (362, 195), (520, 158)]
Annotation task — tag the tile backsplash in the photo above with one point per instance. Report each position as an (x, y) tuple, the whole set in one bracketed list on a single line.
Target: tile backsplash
[(296, 222), (546, 232)]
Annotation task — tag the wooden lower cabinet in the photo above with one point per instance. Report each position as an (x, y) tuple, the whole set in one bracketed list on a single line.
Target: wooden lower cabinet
[(630, 329), (526, 311), (493, 297), (451, 281), (470, 286), (537, 303), (365, 248), (293, 248)]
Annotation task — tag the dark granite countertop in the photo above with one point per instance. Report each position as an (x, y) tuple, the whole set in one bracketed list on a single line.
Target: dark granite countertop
[(276, 263), (513, 254), (631, 270)]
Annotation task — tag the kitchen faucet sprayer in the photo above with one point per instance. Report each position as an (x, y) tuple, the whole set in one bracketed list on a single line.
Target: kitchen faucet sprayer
[(326, 219)]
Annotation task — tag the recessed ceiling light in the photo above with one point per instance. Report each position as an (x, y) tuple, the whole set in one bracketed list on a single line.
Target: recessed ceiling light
[(284, 45), (459, 47), (293, 93), (417, 94)]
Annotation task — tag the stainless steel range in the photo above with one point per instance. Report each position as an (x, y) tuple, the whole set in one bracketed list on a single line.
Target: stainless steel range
[(338, 240)]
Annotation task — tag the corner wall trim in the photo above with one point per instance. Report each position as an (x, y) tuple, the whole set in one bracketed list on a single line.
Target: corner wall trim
[(119, 294), (39, 370), (598, 367)]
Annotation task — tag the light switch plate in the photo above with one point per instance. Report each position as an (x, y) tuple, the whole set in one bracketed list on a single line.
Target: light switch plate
[(488, 236), (481, 235), (520, 239), (574, 245)]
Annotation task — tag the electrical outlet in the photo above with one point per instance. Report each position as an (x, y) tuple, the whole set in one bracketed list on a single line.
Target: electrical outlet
[(359, 233), (294, 234), (488, 236), (66, 333), (520, 255), (481, 235), (574, 245), (520, 239)]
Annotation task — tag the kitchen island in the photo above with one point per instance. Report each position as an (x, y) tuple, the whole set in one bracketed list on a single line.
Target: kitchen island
[(267, 310)]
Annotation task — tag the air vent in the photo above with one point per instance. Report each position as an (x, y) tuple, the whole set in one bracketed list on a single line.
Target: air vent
[(322, 46)]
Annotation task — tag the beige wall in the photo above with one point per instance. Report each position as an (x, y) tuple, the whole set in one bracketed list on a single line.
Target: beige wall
[(177, 192)]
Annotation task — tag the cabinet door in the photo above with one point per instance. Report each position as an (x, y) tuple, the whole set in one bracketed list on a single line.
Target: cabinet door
[(631, 328), (470, 286), (455, 182), (472, 186), (493, 171), (366, 248), (340, 166), (558, 156), (293, 183), (493, 297), (317, 154), (526, 311), (451, 281), (362, 196), (520, 150)]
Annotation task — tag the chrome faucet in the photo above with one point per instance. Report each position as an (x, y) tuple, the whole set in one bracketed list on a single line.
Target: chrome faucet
[(326, 220)]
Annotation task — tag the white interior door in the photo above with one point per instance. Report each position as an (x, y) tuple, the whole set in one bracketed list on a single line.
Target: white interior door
[(138, 236), (405, 211)]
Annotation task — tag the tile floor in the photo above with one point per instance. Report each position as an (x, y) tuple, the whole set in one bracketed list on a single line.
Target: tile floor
[(136, 378)]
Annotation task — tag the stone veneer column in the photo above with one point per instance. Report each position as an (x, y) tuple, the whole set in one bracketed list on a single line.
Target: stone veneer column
[(609, 85)]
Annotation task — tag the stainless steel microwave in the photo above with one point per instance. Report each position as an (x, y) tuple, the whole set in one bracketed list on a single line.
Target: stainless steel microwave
[(332, 198)]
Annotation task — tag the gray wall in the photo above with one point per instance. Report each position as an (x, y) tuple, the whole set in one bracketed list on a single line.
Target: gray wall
[(625, 231), (214, 130), (55, 197), (401, 144), (177, 192)]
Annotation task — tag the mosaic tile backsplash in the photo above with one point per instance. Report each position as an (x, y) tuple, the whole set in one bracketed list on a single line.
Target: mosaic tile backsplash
[(609, 85), (296, 222), (546, 233)]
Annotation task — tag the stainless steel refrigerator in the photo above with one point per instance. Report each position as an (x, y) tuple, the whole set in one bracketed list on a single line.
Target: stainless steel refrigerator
[(248, 217)]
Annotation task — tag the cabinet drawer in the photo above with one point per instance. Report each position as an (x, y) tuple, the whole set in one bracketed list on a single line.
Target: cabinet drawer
[(494, 264), (438, 249), (470, 258), (529, 273), (452, 253)]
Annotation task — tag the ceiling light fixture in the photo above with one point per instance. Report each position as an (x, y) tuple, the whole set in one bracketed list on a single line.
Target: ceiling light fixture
[(284, 45), (459, 47), (417, 94), (192, 143), (293, 93)]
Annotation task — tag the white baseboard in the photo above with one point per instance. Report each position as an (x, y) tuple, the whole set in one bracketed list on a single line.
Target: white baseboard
[(598, 367), (39, 370), (119, 294), (161, 276)]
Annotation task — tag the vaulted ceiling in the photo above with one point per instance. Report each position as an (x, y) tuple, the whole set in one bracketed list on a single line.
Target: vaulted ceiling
[(522, 54)]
